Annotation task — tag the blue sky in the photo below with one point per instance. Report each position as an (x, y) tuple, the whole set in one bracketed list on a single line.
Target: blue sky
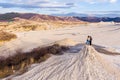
[(60, 6)]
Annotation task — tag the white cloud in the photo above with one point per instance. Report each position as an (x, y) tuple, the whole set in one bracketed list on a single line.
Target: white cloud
[(113, 1), (35, 4), (50, 1), (25, 1), (97, 1), (57, 4)]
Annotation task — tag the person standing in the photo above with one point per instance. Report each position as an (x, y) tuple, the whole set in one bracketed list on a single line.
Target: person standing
[(89, 40)]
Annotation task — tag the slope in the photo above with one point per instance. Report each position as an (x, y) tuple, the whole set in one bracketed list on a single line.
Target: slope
[(87, 64)]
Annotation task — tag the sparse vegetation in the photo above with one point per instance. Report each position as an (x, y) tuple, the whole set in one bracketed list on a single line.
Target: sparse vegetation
[(29, 27), (21, 60), (29, 22), (6, 36)]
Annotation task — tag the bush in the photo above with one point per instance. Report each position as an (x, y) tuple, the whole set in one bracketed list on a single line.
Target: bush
[(21, 60), (6, 36)]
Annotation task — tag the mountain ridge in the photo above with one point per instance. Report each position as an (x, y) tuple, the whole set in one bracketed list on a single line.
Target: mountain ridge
[(71, 17), (111, 15), (35, 17)]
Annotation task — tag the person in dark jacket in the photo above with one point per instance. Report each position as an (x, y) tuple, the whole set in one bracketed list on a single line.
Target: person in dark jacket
[(89, 40)]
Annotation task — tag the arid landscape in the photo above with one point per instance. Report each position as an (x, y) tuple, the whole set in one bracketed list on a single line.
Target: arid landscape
[(44, 47), (59, 39)]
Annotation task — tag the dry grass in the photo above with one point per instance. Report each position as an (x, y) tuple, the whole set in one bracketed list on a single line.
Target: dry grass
[(21, 60), (28, 25), (6, 36)]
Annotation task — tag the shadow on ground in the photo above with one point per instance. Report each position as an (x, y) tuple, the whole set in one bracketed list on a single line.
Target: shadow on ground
[(100, 49)]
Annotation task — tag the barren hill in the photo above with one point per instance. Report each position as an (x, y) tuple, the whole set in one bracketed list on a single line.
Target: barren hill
[(53, 18), (30, 21)]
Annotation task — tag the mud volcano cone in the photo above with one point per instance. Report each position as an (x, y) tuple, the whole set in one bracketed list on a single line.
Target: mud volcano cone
[(88, 64)]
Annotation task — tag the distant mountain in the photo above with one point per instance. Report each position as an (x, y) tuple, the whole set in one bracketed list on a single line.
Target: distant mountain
[(107, 15), (52, 18), (71, 14), (11, 16), (93, 17), (88, 15), (72, 17), (99, 19), (34, 17)]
